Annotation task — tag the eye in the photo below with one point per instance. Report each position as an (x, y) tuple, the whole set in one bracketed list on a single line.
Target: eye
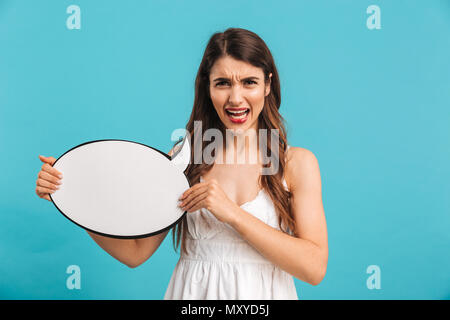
[(250, 82), (220, 83)]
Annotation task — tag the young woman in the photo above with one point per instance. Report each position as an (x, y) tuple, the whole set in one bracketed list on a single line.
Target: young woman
[(245, 234)]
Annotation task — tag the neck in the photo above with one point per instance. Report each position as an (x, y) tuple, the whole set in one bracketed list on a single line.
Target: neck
[(239, 144)]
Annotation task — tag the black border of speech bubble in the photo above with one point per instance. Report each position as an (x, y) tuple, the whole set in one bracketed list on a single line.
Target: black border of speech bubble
[(116, 236)]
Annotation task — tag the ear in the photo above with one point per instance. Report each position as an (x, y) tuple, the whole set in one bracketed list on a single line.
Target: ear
[(267, 88)]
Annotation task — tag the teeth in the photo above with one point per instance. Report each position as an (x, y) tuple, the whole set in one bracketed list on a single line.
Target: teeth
[(234, 111), (239, 117)]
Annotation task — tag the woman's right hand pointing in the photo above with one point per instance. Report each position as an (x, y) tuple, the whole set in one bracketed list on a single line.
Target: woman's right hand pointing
[(49, 178)]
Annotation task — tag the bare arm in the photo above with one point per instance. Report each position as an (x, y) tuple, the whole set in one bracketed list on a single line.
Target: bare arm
[(131, 252), (304, 255)]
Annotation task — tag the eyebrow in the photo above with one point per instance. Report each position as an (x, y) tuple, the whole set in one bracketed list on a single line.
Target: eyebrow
[(227, 79)]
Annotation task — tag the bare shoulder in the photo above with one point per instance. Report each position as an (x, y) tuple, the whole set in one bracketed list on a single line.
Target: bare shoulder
[(302, 167), (298, 153), (170, 153), (174, 149)]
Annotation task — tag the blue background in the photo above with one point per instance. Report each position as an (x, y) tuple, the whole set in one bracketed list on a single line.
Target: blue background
[(372, 105)]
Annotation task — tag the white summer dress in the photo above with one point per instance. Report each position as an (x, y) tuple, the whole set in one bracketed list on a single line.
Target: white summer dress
[(220, 264)]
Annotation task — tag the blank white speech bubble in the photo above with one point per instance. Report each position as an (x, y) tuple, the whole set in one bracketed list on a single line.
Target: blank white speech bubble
[(120, 188)]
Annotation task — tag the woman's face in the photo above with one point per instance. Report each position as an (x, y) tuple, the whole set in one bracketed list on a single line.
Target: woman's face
[(237, 91)]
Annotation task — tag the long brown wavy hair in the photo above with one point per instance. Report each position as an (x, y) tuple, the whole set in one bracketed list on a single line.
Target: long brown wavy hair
[(246, 46)]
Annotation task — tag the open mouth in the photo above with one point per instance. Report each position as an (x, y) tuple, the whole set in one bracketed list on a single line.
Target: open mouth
[(237, 115)]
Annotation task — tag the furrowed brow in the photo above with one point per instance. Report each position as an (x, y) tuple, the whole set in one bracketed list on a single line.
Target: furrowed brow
[(227, 79)]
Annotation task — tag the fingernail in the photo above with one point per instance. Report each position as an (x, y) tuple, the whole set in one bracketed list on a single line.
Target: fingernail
[(60, 176)]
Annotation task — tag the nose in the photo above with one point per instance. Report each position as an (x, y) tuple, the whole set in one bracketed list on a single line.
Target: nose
[(236, 98)]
